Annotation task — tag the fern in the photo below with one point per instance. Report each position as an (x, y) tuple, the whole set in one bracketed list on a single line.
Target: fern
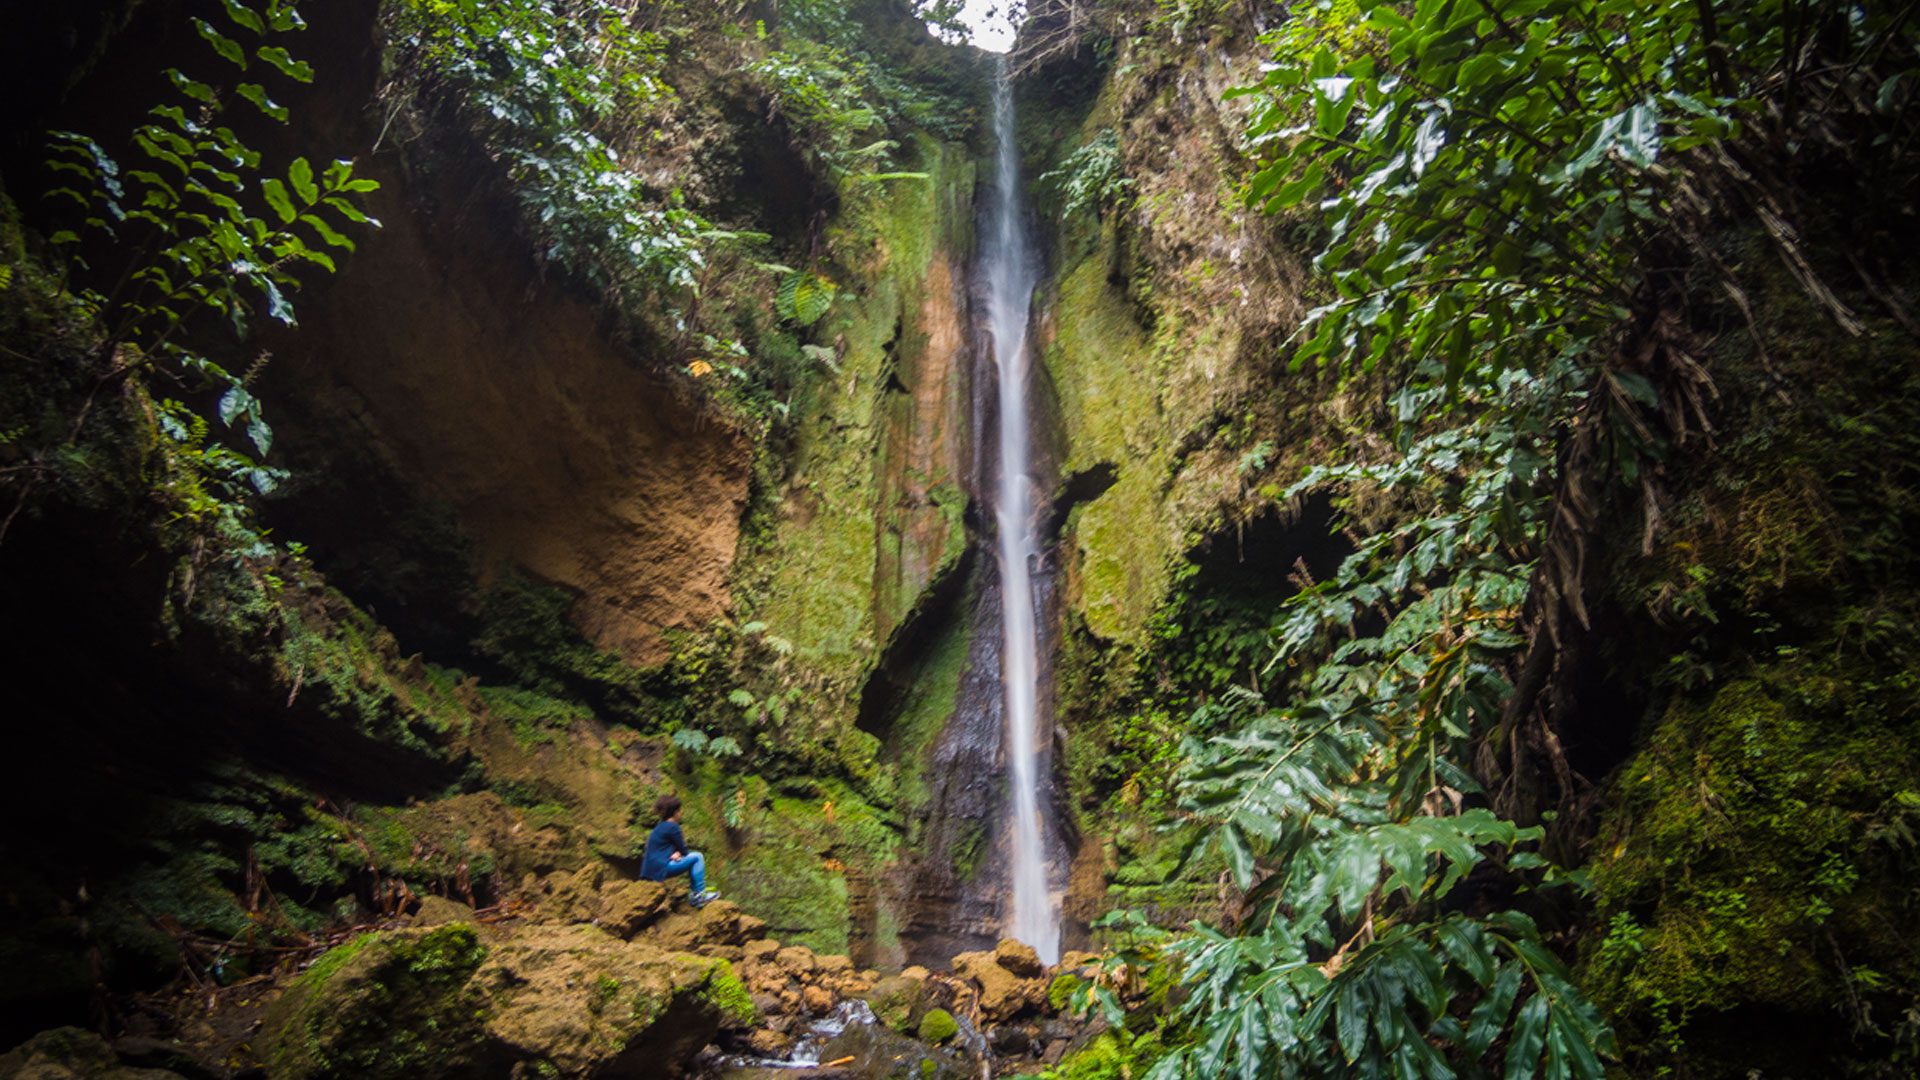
[(804, 297), (1091, 177)]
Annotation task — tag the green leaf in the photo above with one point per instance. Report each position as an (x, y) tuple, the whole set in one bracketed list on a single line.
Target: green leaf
[(276, 193), (298, 70), (193, 88), (328, 233), (1489, 1018), (1528, 1037), (243, 15), (804, 297), (301, 174), (257, 94), (277, 305), (228, 48)]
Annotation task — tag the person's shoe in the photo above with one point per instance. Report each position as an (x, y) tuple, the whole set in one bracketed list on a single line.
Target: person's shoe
[(702, 899)]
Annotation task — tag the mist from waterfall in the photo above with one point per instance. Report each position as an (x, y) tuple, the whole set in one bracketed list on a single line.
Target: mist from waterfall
[(1011, 275)]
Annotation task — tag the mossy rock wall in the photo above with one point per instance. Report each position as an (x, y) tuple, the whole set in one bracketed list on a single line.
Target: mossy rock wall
[(869, 510), (1153, 331)]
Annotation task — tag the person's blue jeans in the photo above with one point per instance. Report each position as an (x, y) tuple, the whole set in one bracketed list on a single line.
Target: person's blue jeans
[(694, 865)]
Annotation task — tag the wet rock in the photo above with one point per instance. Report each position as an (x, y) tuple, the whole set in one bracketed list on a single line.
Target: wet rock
[(1010, 1040), (833, 966), (767, 1043), (880, 1053), (761, 951), (818, 999), (1019, 958), (898, 1001), (70, 1053)]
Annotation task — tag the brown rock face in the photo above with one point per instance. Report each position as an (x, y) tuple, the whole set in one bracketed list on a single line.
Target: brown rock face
[(442, 351)]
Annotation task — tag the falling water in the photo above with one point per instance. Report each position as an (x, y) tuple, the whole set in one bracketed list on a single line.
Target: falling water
[(1010, 274)]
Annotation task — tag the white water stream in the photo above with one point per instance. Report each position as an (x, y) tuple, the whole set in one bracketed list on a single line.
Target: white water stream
[(1010, 273)]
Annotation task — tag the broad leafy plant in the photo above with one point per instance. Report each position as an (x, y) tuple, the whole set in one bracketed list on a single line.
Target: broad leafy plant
[(552, 87), (1506, 188), (200, 232)]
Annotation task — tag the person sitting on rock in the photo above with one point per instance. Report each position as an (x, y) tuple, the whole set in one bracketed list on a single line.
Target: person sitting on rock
[(667, 853)]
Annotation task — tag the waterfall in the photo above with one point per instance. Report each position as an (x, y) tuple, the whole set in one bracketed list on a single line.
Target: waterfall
[(1010, 273)]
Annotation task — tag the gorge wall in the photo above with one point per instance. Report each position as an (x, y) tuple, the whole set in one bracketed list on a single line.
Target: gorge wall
[(561, 544)]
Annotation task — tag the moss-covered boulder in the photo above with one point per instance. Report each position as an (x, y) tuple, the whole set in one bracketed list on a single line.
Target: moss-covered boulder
[(938, 1026), (393, 1005), (587, 1004), (70, 1053), (570, 1000), (899, 1002)]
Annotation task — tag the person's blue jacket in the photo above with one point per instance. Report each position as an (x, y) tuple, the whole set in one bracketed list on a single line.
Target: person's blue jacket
[(663, 843)]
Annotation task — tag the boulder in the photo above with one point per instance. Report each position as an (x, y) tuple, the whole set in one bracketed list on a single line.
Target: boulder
[(796, 960), (898, 1002), (383, 1006), (818, 999), (625, 908), (1003, 995), (760, 951), (723, 923), (70, 1053), (445, 1001), (769, 1044), (1080, 963), (1019, 958)]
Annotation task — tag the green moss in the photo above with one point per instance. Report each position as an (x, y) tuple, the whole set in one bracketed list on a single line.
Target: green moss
[(924, 711), (533, 717), (1114, 1055), (1061, 990), (938, 1026), (791, 852), (840, 563), (725, 995), (1748, 853)]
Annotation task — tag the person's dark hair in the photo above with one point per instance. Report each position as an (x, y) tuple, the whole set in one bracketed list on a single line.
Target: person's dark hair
[(666, 806)]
